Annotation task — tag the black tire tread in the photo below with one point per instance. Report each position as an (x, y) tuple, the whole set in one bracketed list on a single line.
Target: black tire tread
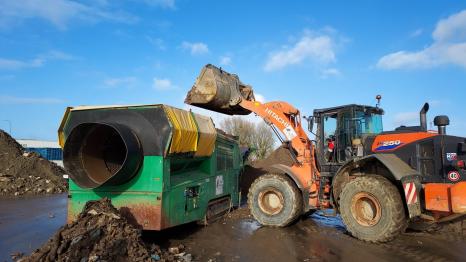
[(397, 224), (297, 205)]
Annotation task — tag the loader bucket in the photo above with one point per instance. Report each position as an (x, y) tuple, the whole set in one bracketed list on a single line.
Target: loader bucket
[(219, 91)]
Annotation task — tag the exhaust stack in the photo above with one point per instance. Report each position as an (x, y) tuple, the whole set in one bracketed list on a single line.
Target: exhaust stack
[(442, 122), (423, 116)]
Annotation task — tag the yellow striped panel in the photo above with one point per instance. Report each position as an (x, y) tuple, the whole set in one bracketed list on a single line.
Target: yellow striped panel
[(185, 134), (207, 135), (61, 134)]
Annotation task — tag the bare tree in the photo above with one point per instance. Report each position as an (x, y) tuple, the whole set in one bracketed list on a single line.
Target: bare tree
[(259, 137), (263, 140)]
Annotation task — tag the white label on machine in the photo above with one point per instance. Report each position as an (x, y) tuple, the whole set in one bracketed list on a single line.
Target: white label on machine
[(219, 185), (289, 133)]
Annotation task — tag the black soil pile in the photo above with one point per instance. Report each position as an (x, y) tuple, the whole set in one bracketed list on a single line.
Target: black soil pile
[(455, 229), (238, 214), (101, 233), (457, 226), (28, 173), (281, 155)]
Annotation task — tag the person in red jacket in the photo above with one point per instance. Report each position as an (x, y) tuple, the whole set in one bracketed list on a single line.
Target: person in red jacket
[(330, 148)]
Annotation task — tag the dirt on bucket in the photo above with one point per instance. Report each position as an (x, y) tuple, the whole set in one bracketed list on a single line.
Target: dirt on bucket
[(101, 233), (26, 173)]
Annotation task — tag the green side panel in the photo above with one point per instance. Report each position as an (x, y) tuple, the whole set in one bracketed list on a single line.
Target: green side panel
[(194, 186), (148, 202), (149, 178), (189, 199), (145, 187)]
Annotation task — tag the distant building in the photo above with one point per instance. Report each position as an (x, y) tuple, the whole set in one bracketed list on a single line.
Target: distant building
[(49, 150)]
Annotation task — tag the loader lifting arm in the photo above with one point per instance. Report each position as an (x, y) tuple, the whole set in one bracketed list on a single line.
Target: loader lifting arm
[(284, 118), (222, 92)]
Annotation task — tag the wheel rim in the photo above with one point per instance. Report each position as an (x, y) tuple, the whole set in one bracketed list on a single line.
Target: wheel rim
[(366, 209), (271, 201)]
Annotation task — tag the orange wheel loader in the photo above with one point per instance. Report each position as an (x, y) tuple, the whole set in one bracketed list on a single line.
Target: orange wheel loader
[(378, 181)]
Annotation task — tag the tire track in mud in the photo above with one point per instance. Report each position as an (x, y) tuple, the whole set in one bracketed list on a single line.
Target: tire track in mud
[(321, 238), (410, 252), (412, 246)]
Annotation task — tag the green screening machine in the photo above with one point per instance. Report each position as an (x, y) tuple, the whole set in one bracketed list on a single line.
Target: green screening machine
[(161, 166)]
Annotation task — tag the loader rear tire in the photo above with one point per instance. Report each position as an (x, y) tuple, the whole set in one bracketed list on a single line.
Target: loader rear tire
[(372, 209), (274, 200)]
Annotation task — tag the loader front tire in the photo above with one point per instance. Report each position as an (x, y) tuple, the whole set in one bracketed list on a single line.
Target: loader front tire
[(274, 200), (372, 209)]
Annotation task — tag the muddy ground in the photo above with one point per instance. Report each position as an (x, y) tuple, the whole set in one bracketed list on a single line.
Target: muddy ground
[(25, 173), (314, 238), (27, 225)]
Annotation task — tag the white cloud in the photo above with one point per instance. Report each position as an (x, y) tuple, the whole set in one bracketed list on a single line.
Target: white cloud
[(435, 102), (259, 97), (12, 64), (40, 60), (403, 59), (317, 48), (9, 100), (157, 42), (406, 119), (198, 48), (330, 72), (162, 84), (448, 47), (451, 28), (58, 12), (57, 55), (170, 4), (416, 33), (120, 81), (225, 60)]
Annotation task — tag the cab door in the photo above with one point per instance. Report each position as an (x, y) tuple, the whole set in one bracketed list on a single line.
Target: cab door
[(344, 135)]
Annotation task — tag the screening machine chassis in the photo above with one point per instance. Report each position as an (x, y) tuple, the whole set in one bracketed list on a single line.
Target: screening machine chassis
[(160, 166)]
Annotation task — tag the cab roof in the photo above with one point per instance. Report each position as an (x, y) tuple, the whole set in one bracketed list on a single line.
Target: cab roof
[(338, 108)]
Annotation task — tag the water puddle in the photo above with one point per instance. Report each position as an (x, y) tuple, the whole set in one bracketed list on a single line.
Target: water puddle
[(249, 226)]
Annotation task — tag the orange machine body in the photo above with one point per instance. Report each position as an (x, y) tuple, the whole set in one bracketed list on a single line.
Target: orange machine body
[(392, 142), (449, 198)]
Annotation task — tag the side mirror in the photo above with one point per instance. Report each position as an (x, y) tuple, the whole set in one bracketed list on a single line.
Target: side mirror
[(310, 123)]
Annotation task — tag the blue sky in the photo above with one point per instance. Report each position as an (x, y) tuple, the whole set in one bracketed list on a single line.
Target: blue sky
[(60, 53)]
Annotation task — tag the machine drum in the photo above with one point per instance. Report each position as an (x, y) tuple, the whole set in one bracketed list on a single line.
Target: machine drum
[(102, 153)]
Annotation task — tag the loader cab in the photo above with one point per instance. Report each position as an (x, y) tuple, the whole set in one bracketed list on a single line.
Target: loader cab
[(341, 133)]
